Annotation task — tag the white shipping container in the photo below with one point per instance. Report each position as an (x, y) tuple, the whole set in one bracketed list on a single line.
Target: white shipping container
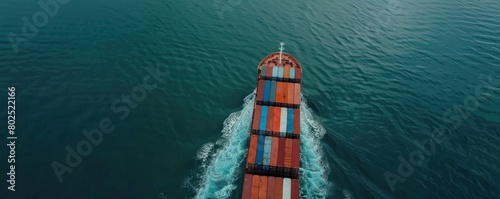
[(283, 120), (287, 188)]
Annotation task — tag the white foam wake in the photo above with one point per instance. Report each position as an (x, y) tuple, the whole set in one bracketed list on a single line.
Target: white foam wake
[(220, 162), (313, 168)]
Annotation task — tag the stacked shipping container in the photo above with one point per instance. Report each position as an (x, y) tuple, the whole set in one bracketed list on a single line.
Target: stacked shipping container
[(273, 159), (259, 186)]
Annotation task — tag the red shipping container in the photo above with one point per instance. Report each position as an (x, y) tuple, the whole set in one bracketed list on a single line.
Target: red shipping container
[(269, 71), (270, 118), (295, 189), (281, 152), (274, 151), (296, 121), (252, 149), (298, 73), (278, 188), (247, 186), (263, 187), (288, 153), (296, 92), (284, 90), (260, 89), (256, 117), (296, 153), (270, 186), (277, 117)]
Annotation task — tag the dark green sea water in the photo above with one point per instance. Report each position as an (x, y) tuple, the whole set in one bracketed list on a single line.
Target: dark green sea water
[(395, 92)]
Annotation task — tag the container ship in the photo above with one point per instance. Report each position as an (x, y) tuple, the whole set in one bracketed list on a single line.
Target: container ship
[(273, 158)]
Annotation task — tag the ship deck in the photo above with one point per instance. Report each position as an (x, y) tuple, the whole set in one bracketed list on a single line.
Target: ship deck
[(273, 158)]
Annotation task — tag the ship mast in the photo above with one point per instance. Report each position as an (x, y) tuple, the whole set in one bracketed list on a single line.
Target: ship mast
[(281, 50)]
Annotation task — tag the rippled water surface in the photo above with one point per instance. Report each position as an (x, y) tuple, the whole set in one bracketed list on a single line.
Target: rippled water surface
[(400, 98)]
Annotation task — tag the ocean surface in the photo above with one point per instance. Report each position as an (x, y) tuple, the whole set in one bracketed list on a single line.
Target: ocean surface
[(401, 99)]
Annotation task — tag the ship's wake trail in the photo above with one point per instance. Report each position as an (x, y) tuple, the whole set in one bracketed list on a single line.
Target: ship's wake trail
[(220, 162), (313, 168)]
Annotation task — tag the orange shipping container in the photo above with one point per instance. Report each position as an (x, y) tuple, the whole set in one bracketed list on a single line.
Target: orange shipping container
[(279, 92), (287, 71), (263, 187), (255, 187), (247, 186), (291, 88), (288, 153), (274, 151), (252, 150)]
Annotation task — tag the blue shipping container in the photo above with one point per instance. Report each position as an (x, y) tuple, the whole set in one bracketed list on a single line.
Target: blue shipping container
[(273, 92), (263, 118), (275, 71), (267, 150), (260, 150), (289, 121), (292, 73), (267, 90)]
